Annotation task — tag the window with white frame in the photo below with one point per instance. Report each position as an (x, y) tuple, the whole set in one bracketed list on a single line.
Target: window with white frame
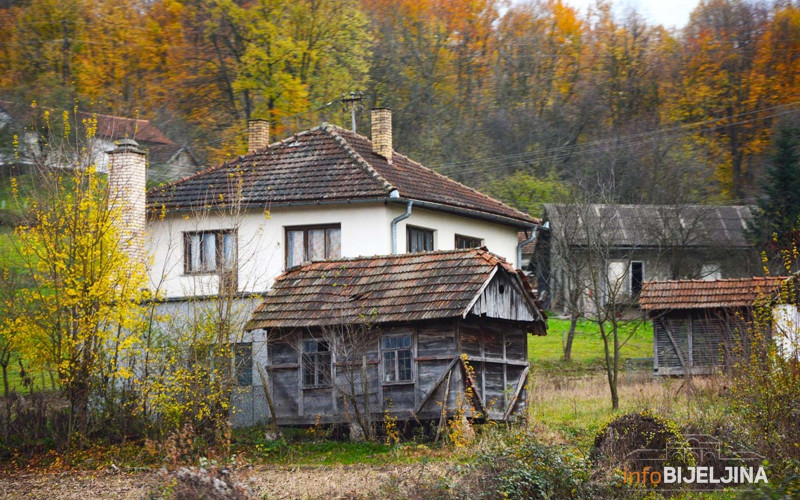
[(397, 358), (316, 364), (209, 251)]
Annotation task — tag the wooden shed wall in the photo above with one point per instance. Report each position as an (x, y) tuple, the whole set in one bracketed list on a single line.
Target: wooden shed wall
[(703, 339), (497, 352)]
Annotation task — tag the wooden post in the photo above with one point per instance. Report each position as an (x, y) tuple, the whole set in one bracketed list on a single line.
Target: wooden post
[(263, 376), (443, 416)]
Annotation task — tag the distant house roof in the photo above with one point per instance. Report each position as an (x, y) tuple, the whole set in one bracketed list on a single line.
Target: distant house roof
[(322, 165), (656, 225), (527, 248), (696, 294), (119, 127), (385, 289), (112, 127)]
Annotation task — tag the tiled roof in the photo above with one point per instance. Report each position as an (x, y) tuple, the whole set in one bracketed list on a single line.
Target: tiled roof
[(324, 164), (528, 248), (392, 288), (119, 127), (696, 294), (655, 225), (113, 127)]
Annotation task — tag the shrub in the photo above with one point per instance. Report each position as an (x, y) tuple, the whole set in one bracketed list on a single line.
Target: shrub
[(638, 440)]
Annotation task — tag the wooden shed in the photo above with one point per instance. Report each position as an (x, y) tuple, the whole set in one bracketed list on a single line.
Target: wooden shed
[(399, 333), (696, 322)]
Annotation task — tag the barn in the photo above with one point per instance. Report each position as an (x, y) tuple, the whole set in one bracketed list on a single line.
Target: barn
[(409, 335), (696, 322)]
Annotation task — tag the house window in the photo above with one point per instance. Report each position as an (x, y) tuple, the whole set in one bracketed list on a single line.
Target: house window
[(243, 363), (637, 277), (316, 363), (709, 272), (419, 239), (396, 352), (617, 272), (209, 251), (468, 242), (308, 243)]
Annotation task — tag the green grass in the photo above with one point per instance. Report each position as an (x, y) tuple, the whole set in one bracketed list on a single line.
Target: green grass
[(545, 353), (41, 380)]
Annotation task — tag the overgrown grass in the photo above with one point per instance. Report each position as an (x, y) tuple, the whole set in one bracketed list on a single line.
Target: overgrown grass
[(545, 353)]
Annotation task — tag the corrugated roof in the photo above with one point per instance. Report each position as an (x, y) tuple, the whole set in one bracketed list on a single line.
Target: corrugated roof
[(324, 164), (655, 225), (385, 289), (697, 294)]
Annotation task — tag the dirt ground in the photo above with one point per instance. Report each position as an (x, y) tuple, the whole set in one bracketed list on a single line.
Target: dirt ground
[(266, 481)]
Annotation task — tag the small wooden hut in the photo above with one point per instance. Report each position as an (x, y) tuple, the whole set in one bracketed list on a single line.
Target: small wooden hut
[(696, 322), (405, 334)]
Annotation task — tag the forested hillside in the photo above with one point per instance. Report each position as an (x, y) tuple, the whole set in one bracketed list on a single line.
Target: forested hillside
[(515, 100)]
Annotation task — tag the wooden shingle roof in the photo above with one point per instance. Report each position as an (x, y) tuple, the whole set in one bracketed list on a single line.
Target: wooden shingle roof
[(385, 289), (320, 165), (697, 294)]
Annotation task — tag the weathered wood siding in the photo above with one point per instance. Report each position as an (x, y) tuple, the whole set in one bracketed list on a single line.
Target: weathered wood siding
[(497, 352), (503, 299), (701, 337)]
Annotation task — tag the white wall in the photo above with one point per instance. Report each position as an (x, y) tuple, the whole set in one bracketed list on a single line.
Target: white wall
[(365, 231), (261, 240), (499, 239)]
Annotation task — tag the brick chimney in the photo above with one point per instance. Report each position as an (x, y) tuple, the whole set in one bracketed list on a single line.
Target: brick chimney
[(257, 135), (126, 188), (382, 132)]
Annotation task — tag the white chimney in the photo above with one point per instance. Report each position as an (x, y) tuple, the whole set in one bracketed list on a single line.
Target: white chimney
[(382, 132), (126, 188), (257, 135)]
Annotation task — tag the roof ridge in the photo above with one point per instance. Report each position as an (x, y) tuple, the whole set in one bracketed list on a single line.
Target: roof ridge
[(357, 158), (478, 251), (723, 280)]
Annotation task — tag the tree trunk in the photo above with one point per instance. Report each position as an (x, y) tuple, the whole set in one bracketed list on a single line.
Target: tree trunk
[(5, 379), (573, 323)]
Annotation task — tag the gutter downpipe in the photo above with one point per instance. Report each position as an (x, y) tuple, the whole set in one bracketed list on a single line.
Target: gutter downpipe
[(534, 233), (394, 225)]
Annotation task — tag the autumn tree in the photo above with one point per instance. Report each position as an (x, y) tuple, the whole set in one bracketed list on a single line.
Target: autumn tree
[(82, 289)]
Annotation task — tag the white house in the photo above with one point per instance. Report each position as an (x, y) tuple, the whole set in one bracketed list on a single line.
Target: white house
[(320, 194), (326, 193)]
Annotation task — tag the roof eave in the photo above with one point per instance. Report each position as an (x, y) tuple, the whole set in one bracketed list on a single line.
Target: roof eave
[(475, 214)]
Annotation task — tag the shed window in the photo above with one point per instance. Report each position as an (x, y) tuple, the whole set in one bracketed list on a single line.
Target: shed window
[(308, 243), (396, 351), (316, 363), (209, 251), (243, 362), (468, 242), (419, 239)]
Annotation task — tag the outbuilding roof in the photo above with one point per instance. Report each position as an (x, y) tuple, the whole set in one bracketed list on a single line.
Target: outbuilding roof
[(386, 289), (656, 226), (322, 165), (698, 294)]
